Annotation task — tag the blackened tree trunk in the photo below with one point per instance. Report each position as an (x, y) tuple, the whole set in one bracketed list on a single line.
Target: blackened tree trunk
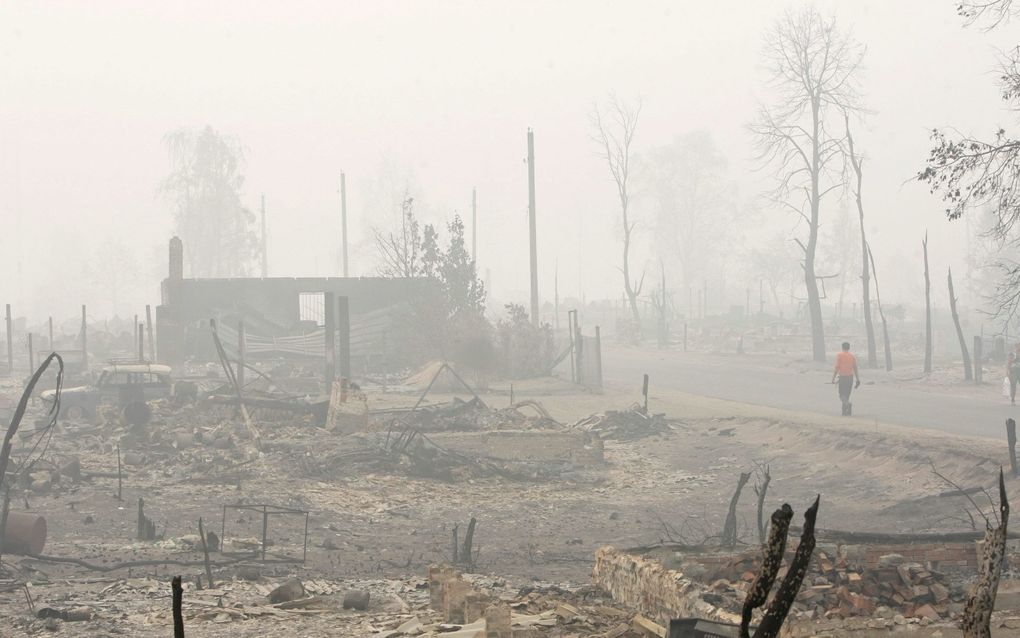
[(881, 313), (869, 326), (968, 371), (927, 308), (773, 558), (772, 622), (977, 612)]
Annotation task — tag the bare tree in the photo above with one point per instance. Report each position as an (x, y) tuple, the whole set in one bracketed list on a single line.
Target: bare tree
[(204, 186), (968, 372), (814, 69), (857, 162), (685, 183), (996, 11), (403, 254), (971, 173), (881, 313), (774, 262), (662, 302), (615, 133)]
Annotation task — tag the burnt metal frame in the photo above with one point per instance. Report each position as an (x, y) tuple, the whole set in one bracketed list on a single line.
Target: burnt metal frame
[(266, 511)]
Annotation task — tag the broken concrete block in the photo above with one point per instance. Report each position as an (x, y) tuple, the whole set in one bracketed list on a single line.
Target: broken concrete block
[(290, 590), (498, 622), (357, 599)]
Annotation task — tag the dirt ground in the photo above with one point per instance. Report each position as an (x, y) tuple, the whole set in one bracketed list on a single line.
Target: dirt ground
[(381, 531)]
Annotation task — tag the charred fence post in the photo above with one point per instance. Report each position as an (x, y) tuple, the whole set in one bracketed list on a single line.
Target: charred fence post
[(178, 596), (456, 544), (774, 617), (1011, 440), (205, 555), (773, 558), (343, 346), (467, 551)]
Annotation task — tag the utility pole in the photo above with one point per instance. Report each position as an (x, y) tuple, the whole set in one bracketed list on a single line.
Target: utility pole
[(531, 228), (556, 297), (474, 227), (343, 220), (265, 259), (10, 343)]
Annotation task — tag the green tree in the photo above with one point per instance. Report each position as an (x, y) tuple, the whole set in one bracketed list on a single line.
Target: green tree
[(204, 186)]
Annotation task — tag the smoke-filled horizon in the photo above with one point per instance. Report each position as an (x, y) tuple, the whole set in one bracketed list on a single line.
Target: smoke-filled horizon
[(433, 100)]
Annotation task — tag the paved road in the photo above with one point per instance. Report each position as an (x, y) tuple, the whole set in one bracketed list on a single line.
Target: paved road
[(806, 388)]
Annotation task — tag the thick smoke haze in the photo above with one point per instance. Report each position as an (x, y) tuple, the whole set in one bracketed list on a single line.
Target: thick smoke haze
[(436, 96)]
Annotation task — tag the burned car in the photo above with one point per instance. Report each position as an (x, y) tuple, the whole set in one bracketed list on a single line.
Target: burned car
[(125, 385)]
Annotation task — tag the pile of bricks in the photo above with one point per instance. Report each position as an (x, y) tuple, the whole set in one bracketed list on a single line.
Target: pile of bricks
[(836, 588)]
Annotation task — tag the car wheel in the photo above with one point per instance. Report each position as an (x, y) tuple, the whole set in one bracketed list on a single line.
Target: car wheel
[(75, 412)]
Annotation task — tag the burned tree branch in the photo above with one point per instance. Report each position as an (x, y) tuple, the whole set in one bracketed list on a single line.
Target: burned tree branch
[(773, 558), (729, 533), (761, 490), (787, 593), (959, 489), (977, 612), (12, 429)]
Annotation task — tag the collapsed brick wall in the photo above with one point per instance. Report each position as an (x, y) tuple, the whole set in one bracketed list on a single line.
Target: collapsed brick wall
[(941, 556), (650, 588)]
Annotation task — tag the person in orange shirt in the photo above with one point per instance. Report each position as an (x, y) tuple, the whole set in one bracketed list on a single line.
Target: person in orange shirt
[(846, 371)]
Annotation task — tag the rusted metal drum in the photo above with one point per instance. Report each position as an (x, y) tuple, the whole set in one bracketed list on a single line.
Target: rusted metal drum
[(24, 533)]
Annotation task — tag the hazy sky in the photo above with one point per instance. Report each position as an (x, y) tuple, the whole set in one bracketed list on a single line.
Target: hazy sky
[(440, 91)]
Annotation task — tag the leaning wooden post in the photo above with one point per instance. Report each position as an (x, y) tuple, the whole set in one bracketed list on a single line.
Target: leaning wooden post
[(141, 343), (205, 553), (343, 346), (1011, 440), (10, 342), (84, 342), (178, 595), (329, 319), (241, 347), (148, 330), (644, 393), (598, 357), (119, 481)]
